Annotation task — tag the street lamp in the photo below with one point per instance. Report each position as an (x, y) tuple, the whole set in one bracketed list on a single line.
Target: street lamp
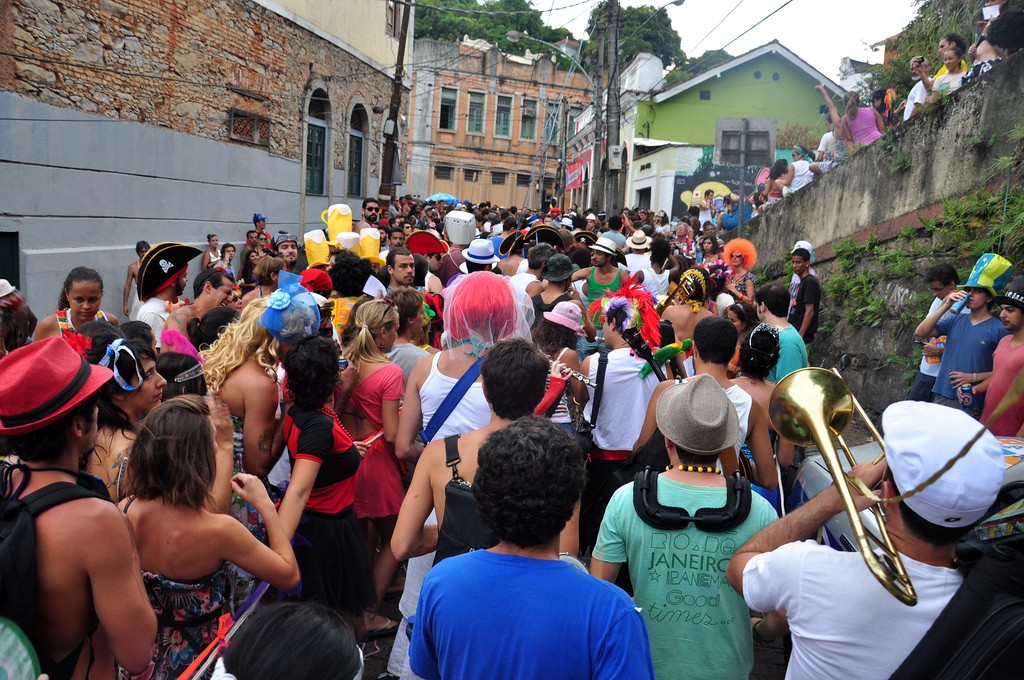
[(516, 36)]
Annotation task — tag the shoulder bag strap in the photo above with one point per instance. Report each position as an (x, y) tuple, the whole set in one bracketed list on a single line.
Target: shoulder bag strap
[(451, 454), (451, 400), (602, 364)]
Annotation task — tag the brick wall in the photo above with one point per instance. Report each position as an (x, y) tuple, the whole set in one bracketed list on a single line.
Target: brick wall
[(170, 63)]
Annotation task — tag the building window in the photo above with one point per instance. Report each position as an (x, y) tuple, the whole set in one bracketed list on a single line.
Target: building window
[(503, 117), (522, 180), (358, 128), (552, 123), (499, 178), (248, 127), (391, 19), (442, 172), (705, 95), (471, 175), (316, 143), (528, 120), (449, 102), (475, 119)]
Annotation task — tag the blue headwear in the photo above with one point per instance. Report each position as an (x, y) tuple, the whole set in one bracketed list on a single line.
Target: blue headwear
[(292, 312), (257, 217)]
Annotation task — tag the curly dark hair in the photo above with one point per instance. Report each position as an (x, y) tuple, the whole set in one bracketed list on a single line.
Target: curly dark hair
[(311, 365), (552, 337), (760, 351), (349, 274), (529, 478), (76, 275), (1007, 30)]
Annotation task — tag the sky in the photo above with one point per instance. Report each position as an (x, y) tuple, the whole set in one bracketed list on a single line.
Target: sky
[(821, 32)]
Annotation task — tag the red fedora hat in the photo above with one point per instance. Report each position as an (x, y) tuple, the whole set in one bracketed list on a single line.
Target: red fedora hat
[(42, 382)]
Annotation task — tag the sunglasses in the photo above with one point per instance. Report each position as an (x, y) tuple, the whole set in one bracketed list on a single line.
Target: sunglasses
[(110, 359)]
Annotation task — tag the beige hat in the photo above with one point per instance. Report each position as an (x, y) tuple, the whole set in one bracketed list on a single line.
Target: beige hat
[(638, 241), (698, 417)]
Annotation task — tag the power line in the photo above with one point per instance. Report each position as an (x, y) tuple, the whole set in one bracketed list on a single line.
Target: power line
[(724, 17), (768, 16), (488, 12)]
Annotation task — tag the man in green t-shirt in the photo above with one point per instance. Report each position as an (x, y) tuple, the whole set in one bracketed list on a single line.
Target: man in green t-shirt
[(697, 624)]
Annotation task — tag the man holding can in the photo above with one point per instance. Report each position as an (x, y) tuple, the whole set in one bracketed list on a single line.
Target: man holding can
[(971, 335)]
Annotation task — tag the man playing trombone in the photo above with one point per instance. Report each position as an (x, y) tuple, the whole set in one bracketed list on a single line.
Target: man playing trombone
[(841, 617)]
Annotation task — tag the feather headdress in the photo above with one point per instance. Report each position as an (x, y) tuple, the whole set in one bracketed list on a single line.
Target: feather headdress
[(632, 306)]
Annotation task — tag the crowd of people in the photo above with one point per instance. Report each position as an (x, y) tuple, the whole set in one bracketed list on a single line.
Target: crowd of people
[(475, 386)]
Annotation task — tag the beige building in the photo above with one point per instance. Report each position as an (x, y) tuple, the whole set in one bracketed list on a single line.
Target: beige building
[(488, 126)]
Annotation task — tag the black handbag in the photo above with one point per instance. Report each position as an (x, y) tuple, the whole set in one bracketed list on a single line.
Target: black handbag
[(461, 528), (585, 428)]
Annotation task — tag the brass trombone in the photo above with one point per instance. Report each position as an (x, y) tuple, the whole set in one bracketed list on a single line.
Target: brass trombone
[(811, 406)]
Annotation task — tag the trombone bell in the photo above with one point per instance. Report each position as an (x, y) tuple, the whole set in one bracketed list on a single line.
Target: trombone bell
[(812, 406)]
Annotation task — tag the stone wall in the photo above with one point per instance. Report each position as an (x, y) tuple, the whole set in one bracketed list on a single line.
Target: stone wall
[(892, 184)]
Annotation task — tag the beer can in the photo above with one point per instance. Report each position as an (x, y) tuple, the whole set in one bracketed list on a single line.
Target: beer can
[(342, 363), (966, 395), (939, 342)]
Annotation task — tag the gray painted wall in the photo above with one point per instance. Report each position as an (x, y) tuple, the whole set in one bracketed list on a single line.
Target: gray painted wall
[(81, 189)]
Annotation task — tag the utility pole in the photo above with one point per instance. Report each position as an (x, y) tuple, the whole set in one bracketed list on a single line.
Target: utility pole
[(597, 177), (564, 124), (387, 175), (614, 114)]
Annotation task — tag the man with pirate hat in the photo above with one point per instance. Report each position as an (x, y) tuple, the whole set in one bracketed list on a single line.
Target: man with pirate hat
[(163, 274)]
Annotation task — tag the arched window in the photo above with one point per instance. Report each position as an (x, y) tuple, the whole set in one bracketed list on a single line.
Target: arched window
[(317, 119), (358, 131)]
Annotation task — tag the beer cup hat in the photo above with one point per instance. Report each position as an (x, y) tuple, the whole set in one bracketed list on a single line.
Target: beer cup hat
[(920, 439), (162, 265), (569, 315), (698, 417), (991, 272), (339, 220), (460, 226), (1013, 295), (348, 240), (480, 251), (369, 245), (42, 382), (318, 250)]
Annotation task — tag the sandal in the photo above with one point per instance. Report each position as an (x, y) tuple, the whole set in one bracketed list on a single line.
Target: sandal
[(386, 630)]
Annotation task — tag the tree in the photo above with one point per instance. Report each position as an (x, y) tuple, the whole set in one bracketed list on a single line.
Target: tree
[(641, 29), (694, 67), (490, 21)]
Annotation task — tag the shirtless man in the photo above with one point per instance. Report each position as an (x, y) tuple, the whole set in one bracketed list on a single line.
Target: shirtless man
[(692, 305), (212, 288), (89, 575), (131, 302)]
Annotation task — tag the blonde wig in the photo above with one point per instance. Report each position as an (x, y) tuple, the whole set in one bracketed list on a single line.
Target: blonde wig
[(240, 341), (359, 338)]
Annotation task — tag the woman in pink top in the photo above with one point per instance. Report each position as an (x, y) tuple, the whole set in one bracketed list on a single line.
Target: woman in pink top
[(863, 121)]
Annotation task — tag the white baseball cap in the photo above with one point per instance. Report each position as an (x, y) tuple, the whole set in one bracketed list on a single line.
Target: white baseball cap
[(920, 438)]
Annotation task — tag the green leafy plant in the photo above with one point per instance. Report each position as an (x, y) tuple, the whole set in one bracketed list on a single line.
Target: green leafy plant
[(901, 162)]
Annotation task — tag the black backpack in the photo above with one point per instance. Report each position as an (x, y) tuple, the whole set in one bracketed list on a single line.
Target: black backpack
[(18, 564)]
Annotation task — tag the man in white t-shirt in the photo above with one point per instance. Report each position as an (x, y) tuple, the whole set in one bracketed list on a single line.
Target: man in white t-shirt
[(919, 93), (942, 279), (163, 274), (839, 615)]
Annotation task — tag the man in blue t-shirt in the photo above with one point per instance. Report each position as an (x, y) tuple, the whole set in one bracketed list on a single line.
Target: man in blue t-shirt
[(515, 610), (971, 339)]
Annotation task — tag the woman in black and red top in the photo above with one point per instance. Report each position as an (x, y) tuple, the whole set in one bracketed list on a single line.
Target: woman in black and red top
[(318, 502)]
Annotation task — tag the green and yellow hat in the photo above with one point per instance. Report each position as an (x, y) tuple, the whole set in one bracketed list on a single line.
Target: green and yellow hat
[(991, 272)]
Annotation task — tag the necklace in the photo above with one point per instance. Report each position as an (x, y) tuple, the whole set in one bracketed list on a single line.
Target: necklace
[(707, 469), (328, 411)]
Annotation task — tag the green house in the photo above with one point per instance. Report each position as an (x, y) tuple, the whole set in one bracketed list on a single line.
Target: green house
[(672, 135)]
